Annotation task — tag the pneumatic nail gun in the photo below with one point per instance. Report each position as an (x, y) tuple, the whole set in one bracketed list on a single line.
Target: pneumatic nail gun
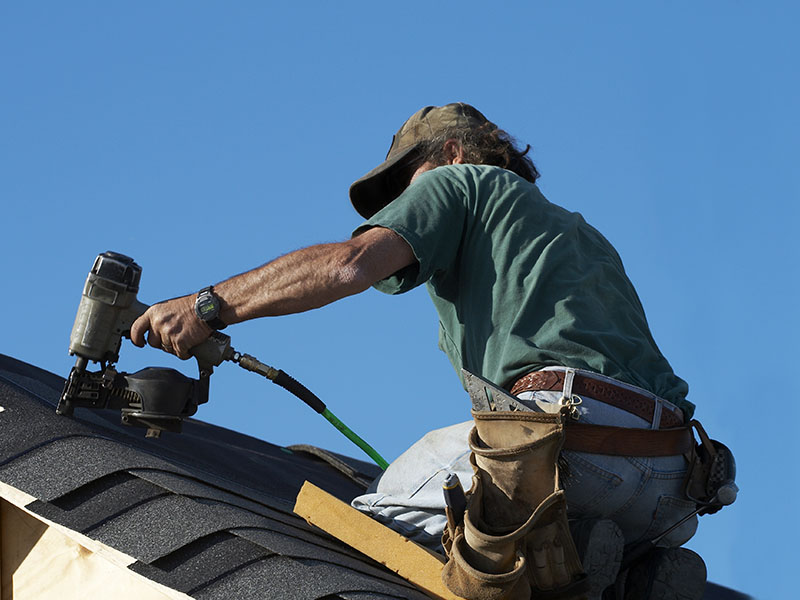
[(156, 398)]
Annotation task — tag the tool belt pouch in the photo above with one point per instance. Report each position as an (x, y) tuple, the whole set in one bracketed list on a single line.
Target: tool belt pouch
[(711, 465), (484, 566), (515, 540)]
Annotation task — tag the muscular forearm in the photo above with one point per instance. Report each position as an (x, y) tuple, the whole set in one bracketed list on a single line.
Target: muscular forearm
[(299, 281), (305, 279)]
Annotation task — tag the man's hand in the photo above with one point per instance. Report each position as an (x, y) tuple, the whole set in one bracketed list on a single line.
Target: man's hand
[(173, 326)]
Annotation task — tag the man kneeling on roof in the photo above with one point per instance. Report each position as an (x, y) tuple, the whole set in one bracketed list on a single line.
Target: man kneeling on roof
[(529, 297)]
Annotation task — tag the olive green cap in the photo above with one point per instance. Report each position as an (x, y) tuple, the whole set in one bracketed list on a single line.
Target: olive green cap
[(373, 191)]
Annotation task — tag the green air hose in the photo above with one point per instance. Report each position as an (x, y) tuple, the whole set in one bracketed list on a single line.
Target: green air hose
[(379, 460), (293, 386)]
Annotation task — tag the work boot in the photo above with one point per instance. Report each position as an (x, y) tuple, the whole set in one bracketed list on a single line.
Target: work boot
[(667, 574), (515, 457), (600, 545)]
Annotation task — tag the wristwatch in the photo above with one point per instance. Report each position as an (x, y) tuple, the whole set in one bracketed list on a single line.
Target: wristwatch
[(207, 307)]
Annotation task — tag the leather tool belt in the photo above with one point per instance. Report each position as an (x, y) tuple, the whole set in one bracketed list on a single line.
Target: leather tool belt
[(672, 437), (626, 441), (608, 393)]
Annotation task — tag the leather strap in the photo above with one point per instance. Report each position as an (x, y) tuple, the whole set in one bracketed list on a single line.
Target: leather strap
[(626, 441), (628, 400)]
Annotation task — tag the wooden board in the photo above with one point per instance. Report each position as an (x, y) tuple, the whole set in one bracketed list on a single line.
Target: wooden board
[(41, 560), (408, 559)]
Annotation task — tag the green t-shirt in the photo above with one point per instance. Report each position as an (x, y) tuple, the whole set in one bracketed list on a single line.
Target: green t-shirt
[(520, 283)]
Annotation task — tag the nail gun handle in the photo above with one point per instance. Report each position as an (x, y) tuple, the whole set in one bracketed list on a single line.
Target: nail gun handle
[(212, 352)]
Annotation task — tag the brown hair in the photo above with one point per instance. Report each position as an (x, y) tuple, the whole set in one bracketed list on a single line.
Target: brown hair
[(483, 145)]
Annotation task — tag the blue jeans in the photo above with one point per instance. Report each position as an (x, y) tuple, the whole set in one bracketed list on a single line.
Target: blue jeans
[(643, 495)]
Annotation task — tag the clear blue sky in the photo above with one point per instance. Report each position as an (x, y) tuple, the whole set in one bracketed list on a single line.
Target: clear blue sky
[(204, 139)]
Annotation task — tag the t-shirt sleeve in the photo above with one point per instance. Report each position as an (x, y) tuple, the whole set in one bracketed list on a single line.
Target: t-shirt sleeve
[(429, 215)]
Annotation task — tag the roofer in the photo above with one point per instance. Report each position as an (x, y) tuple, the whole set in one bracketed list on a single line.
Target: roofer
[(529, 297)]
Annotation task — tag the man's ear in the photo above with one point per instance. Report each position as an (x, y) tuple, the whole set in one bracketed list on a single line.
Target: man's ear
[(454, 152)]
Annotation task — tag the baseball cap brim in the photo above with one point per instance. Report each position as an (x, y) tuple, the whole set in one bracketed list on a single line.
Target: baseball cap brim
[(372, 192)]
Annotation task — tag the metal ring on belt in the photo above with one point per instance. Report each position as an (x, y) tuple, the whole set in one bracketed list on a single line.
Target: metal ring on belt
[(608, 393)]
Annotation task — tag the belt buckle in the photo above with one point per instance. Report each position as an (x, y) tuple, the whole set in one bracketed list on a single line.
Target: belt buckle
[(569, 406)]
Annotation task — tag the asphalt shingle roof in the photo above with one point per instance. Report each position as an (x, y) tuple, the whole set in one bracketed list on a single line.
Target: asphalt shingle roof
[(207, 512)]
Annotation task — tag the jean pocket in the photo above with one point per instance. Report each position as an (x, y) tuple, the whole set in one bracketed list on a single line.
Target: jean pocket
[(587, 485), (669, 511)]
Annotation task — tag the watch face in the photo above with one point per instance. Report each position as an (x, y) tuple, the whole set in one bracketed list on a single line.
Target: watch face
[(206, 307)]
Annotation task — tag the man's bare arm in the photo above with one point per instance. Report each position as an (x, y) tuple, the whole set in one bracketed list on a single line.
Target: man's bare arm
[(297, 282)]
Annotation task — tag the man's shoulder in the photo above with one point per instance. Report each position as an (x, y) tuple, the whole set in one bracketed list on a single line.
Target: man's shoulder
[(484, 191), (474, 171), (483, 179)]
